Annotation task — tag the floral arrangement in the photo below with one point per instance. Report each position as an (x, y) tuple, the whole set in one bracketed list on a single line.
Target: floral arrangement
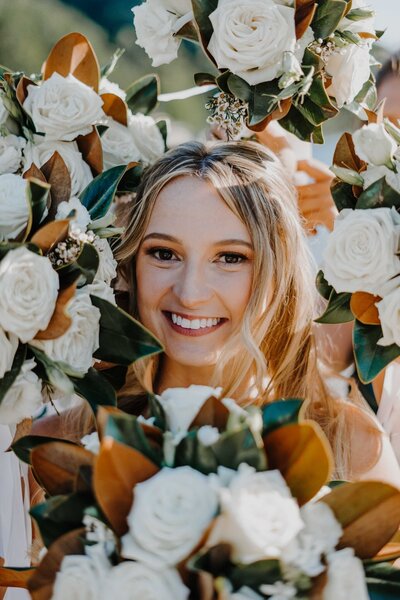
[(298, 61), (68, 146), (360, 277), (204, 499)]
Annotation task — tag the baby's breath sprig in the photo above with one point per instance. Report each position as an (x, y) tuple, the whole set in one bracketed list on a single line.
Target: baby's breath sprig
[(229, 113)]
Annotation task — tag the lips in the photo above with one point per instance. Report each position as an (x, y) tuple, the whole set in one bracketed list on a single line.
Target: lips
[(193, 326)]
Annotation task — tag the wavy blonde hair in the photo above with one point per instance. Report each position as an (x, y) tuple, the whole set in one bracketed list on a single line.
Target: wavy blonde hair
[(275, 344)]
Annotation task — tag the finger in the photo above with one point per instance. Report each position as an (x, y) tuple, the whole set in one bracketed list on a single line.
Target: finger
[(315, 168)]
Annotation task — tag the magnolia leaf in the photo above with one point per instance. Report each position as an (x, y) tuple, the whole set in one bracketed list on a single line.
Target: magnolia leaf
[(117, 469), (338, 309), (99, 194), (369, 513), (239, 87), (163, 128), (213, 413), (56, 172), (256, 574), (24, 445), (327, 17), (54, 372), (123, 340), (201, 11), (204, 79), (42, 581), (305, 11), (50, 235), (116, 108), (188, 32), (22, 89), (92, 151), (83, 269), (323, 287), (15, 577), (59, 515), (5, 247), (141, 95), (22, 430), (303, 456), (108, 68), (363, 307), (95, 388), (379, 195), (10, 376), (239, 446), (127, 430), (131, 179), (222, 81), (371, 358), (56, 465), (297, 123), (280, 413), (74, 54), (102, 416), (343, 195), (367, 96), (190, 451), (260, 108), (34, 173), (60, 321), (37, 195), (345, 154)]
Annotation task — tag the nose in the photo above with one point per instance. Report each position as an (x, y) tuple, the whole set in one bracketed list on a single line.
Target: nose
[(191, 286)]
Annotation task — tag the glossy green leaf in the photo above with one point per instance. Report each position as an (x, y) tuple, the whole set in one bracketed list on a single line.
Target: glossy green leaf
[(116, 376), (125, 428), (130, 181), (55, 372), (262, 572), (162, 126), (109, 67), (204, 79), (157, 411), (342, 194), (235, 447), (201, 11), (379, 194), (5, 247), (83, 268), (297, 123), (24, 445), (194, 454), (98, 196), (141, 95), (95, 388), (222, 81), (37, 195), (323, 286), (327, 17), (370, 358), (280, 413), (59, 515), (122, 339), (240, 88), (260, 106), (10, 376), (382, 590), (383, 571), (338, 309), (317, 107)]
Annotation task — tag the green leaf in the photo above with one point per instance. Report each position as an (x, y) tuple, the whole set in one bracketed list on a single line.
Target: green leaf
[(383, 571), (109, 67), (157, 411), (122, 339), (298, 124), (338, 309), (141, 95), (23, 447), (317, 107), (201, 11), (116, 376), (222, 81), (5, 247), (190, 451), (280, 413), (55, 372), (327, 17), (262, 572), (378, 195), (204, 79), (131, 180), (95, 388), (368, 95), (370, 358), (323, 286), (162, 126), (358, 14), (260, 106), (240, 88), (98, 196), (342, 194), (83, 268), (10, 376), (37, 195), (382, 590), (125, 428), (236, 447)]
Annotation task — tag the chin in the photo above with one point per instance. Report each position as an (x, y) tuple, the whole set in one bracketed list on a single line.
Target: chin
[(193, 359)]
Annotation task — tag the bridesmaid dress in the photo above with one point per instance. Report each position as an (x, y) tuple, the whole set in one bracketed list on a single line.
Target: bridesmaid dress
[(15, 523)]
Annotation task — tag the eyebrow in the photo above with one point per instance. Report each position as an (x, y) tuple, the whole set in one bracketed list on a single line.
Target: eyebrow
[(171, 238)]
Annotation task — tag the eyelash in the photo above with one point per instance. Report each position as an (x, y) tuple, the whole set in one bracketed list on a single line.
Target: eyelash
[(236, 255)]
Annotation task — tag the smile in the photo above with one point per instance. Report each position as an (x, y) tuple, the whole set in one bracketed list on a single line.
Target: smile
[(186, 325)]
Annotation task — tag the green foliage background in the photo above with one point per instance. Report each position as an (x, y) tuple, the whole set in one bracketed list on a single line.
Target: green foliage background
[(29, 28)]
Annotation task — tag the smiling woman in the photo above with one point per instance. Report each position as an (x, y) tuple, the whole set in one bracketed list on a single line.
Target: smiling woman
[(216, 264)]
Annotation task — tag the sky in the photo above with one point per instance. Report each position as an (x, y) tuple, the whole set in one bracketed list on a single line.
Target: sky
[(388, 17)]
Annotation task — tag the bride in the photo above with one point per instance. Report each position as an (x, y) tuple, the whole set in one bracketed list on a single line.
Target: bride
[(215, 263)]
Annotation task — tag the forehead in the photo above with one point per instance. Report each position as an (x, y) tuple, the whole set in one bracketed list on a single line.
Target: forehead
[(189, 206)]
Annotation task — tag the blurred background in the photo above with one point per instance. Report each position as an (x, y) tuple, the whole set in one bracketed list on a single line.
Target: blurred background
[(28, 30)]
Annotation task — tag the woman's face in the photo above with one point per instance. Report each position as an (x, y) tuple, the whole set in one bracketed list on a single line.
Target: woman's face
[(194, 272)]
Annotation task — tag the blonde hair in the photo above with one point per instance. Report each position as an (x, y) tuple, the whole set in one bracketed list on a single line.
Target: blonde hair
[(276, 342)]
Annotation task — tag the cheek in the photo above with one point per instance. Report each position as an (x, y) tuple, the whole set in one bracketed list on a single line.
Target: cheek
[(235, 290), (152, 283)]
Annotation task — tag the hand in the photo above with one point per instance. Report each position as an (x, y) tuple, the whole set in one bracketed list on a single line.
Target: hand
[(315, 199)]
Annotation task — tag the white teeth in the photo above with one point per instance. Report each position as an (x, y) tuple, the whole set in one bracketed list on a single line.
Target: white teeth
[(203, 323), (179, 320), (174, 318), (193, 323), (210, 322), (185, 324)]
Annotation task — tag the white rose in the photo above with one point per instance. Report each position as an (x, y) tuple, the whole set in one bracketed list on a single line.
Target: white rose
[(156, 22), (3, 110), (77, 345), (82, 217), (14, 208), (373, 174), (170, 513), (8, 348), (373, 144), (361, 251), (23, 398), (107, 270), (109, 87), (349, 69), (43, 149), (251, 36), (11, 147), (346, 578), (81, 578), (118, 145), (258, 517), (63, 107), (147, 137), (318, 538), (181, 405), (279, 591), (208, 435), (389, 315), (366, 25), (245, 593), (28, 292), (134, 581), (101, 290)]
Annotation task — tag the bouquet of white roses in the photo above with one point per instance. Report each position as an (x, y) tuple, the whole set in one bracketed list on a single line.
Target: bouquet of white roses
[(58, 315), (204, 500), (298, 61), (361, 269)]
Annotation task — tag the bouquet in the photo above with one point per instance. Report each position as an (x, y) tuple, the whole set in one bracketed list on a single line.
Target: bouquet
[(360, 277), (59, 323), (204, 499), (298, 61)]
